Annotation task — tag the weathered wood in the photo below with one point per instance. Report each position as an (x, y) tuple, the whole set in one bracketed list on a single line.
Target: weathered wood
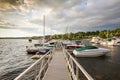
[(57, 69)]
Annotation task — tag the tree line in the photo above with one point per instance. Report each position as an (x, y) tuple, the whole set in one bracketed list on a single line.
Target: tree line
[(86, 35)]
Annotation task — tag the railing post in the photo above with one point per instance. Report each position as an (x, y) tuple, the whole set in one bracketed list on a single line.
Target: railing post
[(77, 73), (72, 63), (37, 67), (35, 71)]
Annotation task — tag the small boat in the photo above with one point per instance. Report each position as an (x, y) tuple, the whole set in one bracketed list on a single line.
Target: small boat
[(90, 51), (36, 56), (43, 50), (111, 42), (32, 49), (40, 54), (95, 40), (114, 42), (103, 42), (75, 44), (66, 42), (38, 48)]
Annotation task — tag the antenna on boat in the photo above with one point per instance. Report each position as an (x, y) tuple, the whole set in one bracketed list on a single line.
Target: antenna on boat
[(66, 31), (51, 33), (69, 32)]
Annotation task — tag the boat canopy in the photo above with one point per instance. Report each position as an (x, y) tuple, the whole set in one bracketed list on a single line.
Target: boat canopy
[(86, 47)]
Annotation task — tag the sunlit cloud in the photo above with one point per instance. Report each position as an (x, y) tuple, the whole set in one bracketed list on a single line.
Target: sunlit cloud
[(26, 16)]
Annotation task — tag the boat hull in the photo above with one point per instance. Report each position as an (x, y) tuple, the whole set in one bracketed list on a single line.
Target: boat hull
[(32, 51), (91, 52), (113, 43)]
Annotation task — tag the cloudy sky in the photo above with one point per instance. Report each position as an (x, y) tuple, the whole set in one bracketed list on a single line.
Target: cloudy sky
[(25, 17)]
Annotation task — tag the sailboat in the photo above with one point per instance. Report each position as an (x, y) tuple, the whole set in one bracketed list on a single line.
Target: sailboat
[(40, 47)]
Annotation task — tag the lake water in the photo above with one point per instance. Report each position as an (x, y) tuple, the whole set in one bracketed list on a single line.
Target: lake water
[(104, 67), (14, 60)]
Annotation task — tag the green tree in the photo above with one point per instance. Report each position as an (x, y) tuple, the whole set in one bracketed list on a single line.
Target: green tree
[(102, 35)]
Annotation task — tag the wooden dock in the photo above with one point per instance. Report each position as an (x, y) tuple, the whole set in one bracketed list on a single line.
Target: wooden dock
[(57, 69)]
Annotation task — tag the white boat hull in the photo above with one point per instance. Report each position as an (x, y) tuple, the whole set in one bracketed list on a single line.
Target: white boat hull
[(95, 40), (113, 43), (91, 52)]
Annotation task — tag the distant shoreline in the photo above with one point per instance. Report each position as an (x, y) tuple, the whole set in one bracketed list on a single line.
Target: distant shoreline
[(20, 37), (13, 38)]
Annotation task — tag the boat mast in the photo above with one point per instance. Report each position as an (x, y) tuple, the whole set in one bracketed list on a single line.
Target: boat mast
[(43, 30)]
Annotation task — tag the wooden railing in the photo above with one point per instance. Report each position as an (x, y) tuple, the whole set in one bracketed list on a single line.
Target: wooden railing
[(37, 70), (77, 72)]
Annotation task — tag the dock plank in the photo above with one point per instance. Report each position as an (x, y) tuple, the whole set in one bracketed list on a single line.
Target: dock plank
[(57, 69)]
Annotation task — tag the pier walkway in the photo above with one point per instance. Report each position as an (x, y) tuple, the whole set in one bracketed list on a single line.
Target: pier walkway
[(57, 69), (56, 64)]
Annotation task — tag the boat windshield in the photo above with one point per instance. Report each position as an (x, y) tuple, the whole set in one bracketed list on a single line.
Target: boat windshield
[(37, 45), (78, 42)]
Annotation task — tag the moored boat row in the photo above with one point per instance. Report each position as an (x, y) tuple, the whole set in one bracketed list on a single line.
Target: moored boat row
[(87, 51), (114, 41), (77, 47), (39, 49)]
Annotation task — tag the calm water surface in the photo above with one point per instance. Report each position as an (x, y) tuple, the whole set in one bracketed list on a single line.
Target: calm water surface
[(105, 67), (13, 58)]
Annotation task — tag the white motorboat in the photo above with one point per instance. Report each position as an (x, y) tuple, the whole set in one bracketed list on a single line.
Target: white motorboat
[(111, 42), (66, 42), (90, 51), (114, 42), (95, 40), (103, 42)]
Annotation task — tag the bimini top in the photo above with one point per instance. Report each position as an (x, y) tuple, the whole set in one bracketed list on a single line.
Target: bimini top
[(86, 47)]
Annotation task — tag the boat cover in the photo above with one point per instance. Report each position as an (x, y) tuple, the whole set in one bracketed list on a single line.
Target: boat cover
[(50, 46), (86, 47)]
